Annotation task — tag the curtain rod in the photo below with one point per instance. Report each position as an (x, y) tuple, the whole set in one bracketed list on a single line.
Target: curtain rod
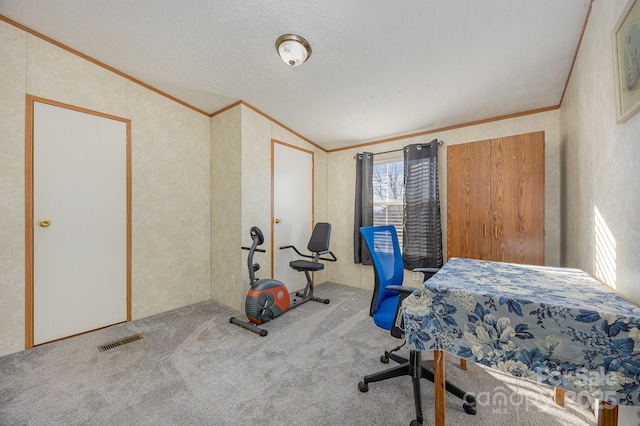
[(440, 143)]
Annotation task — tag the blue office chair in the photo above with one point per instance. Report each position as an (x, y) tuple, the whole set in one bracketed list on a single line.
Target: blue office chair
[(388, 293)]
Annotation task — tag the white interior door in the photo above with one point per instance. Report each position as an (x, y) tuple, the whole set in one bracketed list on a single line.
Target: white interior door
[(292, 210), (80, 222)]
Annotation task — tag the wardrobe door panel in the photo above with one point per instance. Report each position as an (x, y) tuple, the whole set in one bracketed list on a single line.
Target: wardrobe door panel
[(469, 200), (517, 197)]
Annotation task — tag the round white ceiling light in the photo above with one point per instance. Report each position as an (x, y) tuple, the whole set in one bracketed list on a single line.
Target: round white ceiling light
[(293, 49)]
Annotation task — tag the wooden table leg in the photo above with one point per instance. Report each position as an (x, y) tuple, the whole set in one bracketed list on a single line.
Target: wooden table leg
[(439, 387), (558, 397), (607, 414)]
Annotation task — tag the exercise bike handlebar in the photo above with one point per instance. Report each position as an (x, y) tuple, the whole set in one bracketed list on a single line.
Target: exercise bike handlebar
[(258, 239), (257, 249), (333, 256)]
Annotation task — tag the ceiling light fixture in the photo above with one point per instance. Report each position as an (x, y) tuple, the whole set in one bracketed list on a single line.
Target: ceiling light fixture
[(293, 49)]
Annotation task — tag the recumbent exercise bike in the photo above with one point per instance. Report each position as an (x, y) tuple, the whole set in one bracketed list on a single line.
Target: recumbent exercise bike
[(269, 298)]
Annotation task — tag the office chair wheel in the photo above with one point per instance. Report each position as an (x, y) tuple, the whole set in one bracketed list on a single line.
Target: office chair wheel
[(384, 359), (415, 423), (326, 301), (363, 387), (470, 408)]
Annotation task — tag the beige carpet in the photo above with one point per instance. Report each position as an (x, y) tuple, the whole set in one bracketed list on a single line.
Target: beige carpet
[(194, 368)]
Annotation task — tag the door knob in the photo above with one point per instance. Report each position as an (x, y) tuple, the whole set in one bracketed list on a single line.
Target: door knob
[(44, 222), (278, 220)]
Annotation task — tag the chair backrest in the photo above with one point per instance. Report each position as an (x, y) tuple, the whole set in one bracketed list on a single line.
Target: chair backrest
[(319, 241), (382, 242)]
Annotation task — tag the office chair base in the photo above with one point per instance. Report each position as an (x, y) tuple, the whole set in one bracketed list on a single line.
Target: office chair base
[(417, 369), (390, 355)]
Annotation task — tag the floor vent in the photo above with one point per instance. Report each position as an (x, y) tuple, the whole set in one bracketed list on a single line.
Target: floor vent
[(120, 342)]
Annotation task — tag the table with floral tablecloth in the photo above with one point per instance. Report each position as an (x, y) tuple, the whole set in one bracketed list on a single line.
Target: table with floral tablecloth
[(557, 326)]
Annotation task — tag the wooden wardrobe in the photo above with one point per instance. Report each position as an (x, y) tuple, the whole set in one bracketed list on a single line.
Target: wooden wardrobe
[(495, 199)]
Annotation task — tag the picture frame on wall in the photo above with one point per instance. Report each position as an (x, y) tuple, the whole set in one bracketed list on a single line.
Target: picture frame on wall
[(626, 47)]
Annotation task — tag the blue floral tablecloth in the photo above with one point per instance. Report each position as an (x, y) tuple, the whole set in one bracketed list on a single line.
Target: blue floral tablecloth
[(556, 326)]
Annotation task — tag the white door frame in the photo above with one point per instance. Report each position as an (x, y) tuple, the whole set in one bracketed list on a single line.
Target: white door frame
[(29, 208)]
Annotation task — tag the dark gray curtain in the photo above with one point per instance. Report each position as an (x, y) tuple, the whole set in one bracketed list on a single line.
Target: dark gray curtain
[(363, 215), (422, 236)]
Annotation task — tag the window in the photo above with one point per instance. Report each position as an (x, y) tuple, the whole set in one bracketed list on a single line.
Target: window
[(388, 191), (381, 198)]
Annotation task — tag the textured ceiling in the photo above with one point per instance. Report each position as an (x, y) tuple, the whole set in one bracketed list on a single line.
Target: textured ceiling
[(379, 68)]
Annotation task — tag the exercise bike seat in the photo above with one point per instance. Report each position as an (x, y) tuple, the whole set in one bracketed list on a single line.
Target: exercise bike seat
[(305, 265), (318, 246)]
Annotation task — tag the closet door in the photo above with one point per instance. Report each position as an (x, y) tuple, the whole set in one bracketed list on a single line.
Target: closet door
[(80, 221), (517, 198), (469, 200), (495, 199)]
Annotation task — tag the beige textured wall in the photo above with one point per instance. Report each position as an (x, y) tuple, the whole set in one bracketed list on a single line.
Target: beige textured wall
[(601, 160), (171, 177), (241, 179), (226, 208), (341, 172), (13, 62), (256, 190), (171, 204)]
